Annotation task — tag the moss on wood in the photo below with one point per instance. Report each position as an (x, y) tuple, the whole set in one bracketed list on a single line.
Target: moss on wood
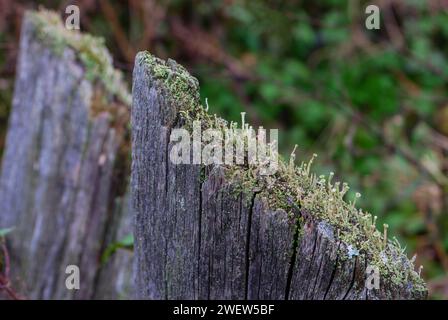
[(90, 51)]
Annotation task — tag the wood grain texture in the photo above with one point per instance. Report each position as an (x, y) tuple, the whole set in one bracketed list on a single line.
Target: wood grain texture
[(115, 279), (171, 194), (57, 171), (198, 237)]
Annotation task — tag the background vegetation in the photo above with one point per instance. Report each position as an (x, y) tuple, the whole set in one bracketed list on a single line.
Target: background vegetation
[(371, 104)]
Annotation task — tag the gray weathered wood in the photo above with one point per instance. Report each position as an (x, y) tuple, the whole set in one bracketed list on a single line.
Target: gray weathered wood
[(198, 237), (57, 170), (270, 253), (172, 195), (115, 278)]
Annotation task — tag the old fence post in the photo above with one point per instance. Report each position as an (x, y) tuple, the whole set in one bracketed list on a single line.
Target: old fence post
[(225, 232), (65, 164)]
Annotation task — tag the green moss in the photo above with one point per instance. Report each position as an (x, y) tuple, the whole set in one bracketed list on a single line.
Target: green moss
[(90, 51), (295, 188)]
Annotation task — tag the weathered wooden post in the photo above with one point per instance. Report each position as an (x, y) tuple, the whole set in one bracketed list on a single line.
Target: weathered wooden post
[(115, 278), (228, 232), (65, 146)]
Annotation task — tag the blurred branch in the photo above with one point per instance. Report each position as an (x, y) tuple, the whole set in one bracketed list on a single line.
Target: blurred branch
[(440, 286), (438, 139), (393, 30), (152, 14), (5, 284), (198, 42), (120, 36), (429, 201)]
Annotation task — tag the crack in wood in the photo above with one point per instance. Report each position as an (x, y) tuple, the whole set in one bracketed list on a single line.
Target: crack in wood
[(249, 225), (352, 283)]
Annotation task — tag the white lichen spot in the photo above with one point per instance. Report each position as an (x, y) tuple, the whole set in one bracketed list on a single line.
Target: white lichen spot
[(352, 252)]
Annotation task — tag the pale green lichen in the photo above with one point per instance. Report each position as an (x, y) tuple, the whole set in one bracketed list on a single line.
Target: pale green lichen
[(90, 50), (183, 90), (296, 187), (182, 87)]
